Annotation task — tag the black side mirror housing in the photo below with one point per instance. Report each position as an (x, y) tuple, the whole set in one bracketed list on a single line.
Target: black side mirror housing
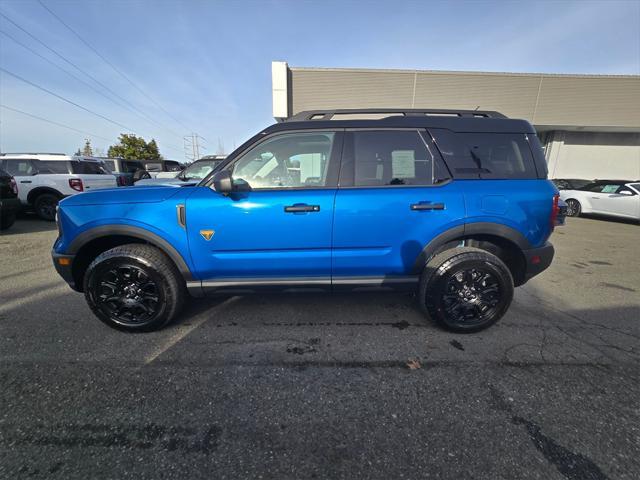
[(223, 182)]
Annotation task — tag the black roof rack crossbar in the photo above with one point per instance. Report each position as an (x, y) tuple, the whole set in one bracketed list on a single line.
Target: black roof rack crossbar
[(328, 114)]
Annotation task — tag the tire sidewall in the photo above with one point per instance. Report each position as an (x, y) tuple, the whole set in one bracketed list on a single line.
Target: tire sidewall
[(103, 265), (7, 221), (39, 200), (436, 287)]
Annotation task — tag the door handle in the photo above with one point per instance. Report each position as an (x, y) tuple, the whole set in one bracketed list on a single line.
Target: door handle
[(25, 181), (301, 207), (427, 206)]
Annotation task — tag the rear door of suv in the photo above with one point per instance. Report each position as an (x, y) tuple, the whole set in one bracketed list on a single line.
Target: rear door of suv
[(93, 175), (394, 196)]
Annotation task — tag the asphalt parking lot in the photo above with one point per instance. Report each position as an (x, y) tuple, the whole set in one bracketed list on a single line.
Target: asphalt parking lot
[(318, 386)]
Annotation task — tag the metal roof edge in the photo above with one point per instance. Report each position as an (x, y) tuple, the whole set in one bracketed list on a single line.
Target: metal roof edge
[(464, 72)]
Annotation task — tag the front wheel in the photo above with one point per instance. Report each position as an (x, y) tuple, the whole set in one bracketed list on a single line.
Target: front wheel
[(134, 288), (465, 289), (574, 209)]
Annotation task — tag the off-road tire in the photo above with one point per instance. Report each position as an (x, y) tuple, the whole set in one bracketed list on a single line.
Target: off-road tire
[(441, 274), (155, 266), (7, 221)]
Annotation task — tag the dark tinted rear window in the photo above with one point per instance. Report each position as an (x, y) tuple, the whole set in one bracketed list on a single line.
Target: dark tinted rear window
[(486, 155), (132, 167), (88, 168)]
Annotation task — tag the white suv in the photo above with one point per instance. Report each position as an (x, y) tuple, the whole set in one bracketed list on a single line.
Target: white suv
[(44, 179)]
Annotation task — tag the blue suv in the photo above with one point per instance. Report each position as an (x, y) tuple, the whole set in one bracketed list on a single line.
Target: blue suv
[(452, 205)]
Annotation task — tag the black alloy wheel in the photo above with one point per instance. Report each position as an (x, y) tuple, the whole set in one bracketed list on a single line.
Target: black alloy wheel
[(127, 295)]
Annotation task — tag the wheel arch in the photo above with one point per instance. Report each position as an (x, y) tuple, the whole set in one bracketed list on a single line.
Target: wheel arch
[(91, 243), (36, 192), (503, 241)]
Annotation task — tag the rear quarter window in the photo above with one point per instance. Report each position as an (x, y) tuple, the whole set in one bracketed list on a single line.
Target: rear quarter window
[(486, 155)]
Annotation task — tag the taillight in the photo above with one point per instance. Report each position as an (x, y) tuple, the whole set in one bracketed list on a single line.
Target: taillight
[(14, 185), (76, 184), (122, 182), (555, 209)]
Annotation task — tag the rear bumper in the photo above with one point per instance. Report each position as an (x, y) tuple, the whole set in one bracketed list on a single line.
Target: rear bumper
[(537, 260), (64, 269)]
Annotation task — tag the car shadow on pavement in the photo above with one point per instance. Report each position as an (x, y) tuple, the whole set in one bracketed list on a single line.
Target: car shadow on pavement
[(28, 223)]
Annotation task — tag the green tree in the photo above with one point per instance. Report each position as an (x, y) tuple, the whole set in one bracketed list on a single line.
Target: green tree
[(133, 147), (87, 151)]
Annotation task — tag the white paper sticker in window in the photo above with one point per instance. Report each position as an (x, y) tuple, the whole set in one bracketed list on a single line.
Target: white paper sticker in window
[(403, 164)]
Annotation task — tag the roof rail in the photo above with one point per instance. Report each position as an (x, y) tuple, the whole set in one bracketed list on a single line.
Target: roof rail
[(329, 114), (31, 153)]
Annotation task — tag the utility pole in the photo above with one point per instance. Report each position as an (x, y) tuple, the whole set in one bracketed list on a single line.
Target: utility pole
[(192, 145)]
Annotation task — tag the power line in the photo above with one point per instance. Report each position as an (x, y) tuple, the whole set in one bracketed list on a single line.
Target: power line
[(63, 125), (64, 99), (124, 103), (111, 65), (72, 102), (53, 122)]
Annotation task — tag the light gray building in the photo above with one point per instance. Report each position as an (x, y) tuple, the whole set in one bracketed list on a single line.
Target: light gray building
[(588, 124)]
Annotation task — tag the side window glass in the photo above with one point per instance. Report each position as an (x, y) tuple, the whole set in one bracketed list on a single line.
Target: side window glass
[(295, 160), (132, 167), (486, 155), (388, 157), (610, 188), (19, 168), (52, 166)]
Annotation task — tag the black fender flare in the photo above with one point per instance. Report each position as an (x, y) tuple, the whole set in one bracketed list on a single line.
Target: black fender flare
[(33, 194), (136, 232), (466, 230)]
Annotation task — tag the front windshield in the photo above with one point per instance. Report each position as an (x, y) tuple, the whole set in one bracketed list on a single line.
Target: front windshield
[(199, 170)]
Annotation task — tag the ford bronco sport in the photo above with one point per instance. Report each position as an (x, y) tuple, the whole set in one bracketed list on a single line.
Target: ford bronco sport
[(452, 205)]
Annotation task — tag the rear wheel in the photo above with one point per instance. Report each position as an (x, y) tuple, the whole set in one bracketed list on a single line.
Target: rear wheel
[(7, 221), (465, 289), (574, 209), (45, 206), (134, 288)]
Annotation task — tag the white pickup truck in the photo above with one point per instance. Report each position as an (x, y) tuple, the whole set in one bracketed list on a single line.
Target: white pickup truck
[(44, 179)]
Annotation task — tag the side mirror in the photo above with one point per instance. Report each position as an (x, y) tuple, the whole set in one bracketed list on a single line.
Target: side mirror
[(223, 182)]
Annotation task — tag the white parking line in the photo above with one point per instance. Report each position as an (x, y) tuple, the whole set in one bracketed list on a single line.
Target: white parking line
[(185, 330)]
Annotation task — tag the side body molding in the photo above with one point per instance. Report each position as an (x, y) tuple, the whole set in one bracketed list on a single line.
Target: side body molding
[(478, 228), (130, 231)]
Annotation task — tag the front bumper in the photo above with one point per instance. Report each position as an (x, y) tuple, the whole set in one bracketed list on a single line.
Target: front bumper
[(537, 260), (64, 266)]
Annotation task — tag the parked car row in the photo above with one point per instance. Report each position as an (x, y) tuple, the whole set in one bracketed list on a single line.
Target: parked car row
[(619, 198), (38, 181)]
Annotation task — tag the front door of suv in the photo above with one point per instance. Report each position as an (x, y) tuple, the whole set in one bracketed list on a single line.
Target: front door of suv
[(394, 197), (276, 229)]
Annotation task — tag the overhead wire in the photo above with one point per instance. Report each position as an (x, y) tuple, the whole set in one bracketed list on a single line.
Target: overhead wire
[(116, 69), (124, 102), (54, 122)]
